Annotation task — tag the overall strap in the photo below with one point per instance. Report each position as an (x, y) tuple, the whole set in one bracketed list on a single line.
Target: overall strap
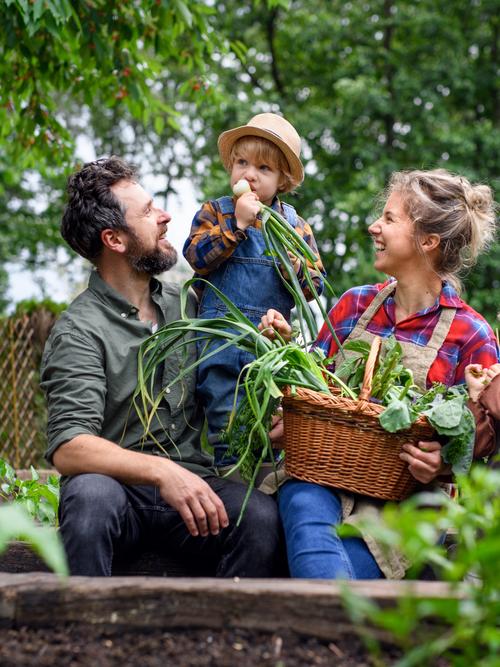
[(225, 205), (290, 214)]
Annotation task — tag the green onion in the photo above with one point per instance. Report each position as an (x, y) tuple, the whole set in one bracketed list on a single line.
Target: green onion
[(278, 364)]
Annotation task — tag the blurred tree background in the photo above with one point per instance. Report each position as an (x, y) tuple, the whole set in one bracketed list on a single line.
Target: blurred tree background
[(371, 85)]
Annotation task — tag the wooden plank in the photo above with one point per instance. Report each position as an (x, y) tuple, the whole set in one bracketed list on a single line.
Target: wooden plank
[(304, 606)]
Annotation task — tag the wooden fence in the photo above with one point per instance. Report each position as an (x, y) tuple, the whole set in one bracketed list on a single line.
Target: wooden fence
[(22, 405)]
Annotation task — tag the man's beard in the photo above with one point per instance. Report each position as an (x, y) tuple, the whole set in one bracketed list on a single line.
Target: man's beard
[(150, 262)]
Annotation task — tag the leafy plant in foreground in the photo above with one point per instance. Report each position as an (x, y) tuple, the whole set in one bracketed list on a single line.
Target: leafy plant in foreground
[(25, 505), (17, 524), (40, 500), (462, 629)]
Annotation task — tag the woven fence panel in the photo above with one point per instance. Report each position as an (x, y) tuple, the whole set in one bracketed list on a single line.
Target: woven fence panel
[(22, 437)]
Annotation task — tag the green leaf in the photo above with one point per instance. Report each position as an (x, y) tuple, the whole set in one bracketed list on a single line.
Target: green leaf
[(184, 11), (15, 523), (396, 416), (446, 414)]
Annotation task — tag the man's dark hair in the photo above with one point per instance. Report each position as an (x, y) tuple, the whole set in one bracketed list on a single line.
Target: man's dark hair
[(92, 207)]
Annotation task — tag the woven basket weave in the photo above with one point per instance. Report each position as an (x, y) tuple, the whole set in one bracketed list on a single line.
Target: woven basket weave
[(337, 441)]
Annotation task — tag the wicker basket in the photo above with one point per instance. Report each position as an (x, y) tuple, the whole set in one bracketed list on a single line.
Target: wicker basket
[(337, 441)]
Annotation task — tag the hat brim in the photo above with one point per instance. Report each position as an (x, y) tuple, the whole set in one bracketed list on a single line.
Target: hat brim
[(228, 139)]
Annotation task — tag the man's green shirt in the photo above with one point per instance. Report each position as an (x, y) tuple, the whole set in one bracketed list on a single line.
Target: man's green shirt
[(89, 375)]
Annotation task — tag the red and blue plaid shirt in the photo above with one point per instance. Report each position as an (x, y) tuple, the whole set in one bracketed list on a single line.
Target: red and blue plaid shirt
[(470, 339)]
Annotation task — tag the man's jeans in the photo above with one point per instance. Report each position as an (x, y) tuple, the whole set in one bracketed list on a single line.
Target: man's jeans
[(310, 513), (100, 517)]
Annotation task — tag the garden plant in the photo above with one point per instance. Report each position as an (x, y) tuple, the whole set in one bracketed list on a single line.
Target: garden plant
[(461, 629), (28, 512)]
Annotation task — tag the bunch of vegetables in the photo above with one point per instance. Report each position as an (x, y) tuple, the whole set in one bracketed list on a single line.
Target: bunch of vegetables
[(393, 385), (277, 364)]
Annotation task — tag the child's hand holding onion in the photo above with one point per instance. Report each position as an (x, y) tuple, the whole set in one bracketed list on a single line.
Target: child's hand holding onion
[(247, 206)]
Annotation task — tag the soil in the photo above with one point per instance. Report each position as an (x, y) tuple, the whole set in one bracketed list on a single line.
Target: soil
[(77, 646)]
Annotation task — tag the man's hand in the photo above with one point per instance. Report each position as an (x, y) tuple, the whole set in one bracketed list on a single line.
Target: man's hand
[(424, 461), (272, 322), (246, 210), (200, 507)]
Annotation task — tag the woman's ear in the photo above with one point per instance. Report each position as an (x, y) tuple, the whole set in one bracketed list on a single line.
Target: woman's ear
[(430, 242), (113, 240)]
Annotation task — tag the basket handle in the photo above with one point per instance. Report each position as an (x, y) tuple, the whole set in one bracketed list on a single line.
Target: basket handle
[(366, 387)]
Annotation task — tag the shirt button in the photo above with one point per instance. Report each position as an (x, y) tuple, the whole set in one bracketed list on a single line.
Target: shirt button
[(123, 314)]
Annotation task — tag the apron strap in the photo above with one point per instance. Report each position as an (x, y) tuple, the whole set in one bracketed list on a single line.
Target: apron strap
[(379, 299)]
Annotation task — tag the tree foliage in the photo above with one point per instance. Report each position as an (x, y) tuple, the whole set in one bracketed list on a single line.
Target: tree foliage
[(62, 62), (371, 85)]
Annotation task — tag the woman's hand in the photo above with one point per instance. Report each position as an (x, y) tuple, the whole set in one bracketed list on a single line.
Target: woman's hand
[(277, 431), (273, 322), (424, 461)]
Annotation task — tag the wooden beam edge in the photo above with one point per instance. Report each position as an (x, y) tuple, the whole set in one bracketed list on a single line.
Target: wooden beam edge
[(305, 606)]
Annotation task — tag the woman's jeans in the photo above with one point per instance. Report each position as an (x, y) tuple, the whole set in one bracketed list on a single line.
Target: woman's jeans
[(310, 514), (100, 518)]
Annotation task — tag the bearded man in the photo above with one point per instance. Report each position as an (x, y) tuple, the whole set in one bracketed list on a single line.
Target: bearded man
[(120, 488)]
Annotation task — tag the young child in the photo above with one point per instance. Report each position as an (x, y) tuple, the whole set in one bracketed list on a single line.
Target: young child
[(484, 392), (226, 247)]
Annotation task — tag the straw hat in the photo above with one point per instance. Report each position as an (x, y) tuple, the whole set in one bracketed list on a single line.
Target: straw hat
[(273, 128)]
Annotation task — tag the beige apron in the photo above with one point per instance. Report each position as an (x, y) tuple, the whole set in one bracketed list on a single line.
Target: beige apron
[(415, 357), (418, 359)]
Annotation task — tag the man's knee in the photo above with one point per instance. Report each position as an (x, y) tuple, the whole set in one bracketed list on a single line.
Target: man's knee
[(92, 500), (260, 522)]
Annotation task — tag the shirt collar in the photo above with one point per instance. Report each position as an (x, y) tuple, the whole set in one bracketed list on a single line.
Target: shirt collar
[(105, 292), (449, 297)]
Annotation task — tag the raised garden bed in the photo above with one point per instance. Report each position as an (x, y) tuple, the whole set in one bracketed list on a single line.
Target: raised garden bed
[(83, 621)]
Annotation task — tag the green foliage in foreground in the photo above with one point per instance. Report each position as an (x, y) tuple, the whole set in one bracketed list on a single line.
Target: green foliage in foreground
[(40, 500), (30, 503), (17, 524), (463, 631)]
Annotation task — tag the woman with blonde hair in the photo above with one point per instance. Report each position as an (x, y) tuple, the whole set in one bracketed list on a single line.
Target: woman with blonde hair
[(434, 224)]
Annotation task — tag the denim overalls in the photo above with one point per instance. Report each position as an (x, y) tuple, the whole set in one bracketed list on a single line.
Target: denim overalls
[(250, 280)]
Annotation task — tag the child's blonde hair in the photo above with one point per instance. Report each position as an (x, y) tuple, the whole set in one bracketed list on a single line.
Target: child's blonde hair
[(263, 151), (462, 214)]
